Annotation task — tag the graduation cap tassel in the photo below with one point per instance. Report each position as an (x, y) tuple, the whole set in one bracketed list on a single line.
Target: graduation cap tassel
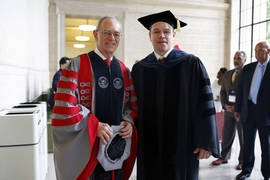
[(178, 25)]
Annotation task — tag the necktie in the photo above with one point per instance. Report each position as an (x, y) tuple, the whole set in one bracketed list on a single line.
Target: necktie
[(108, 62), (257, 84), (234, 75), (161, 60)]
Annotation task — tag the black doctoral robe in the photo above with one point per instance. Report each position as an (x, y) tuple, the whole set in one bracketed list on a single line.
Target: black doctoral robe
[(176, 115)]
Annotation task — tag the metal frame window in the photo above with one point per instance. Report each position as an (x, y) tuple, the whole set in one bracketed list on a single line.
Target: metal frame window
[(254, 25)]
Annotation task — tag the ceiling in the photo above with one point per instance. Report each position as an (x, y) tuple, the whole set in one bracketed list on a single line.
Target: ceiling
[(72, 30)]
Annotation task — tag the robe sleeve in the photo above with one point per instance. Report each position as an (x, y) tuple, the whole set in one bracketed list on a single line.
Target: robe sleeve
[(204, 118), (130, 112), (74, 129)]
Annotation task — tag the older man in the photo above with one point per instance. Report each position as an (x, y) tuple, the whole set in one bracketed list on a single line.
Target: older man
[(228, 93), (95, 92), (253, 107)]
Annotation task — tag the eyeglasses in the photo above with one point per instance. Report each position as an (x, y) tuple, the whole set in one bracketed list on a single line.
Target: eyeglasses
[(106, 33)]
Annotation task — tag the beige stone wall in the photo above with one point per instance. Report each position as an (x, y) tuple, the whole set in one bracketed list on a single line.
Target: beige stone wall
[(33, 37), (207, 34)]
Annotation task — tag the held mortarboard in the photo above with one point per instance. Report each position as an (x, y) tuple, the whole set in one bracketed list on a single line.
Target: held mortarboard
[(165, 16), (112, 155)]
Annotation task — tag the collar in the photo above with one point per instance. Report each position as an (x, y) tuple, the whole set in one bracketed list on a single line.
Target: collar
[(101, 55), (237, 70), (165, 55), (265, 63), (173, 58)]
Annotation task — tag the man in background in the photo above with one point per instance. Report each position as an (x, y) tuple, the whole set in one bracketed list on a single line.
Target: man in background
[(62, 63), (228, 96), (252, 108)]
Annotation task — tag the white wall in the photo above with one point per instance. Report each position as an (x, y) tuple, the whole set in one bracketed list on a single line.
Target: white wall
[(23, 50)]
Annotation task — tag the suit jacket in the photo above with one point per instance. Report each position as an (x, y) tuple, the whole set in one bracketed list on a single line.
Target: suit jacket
[(263, 99), (227, 86)]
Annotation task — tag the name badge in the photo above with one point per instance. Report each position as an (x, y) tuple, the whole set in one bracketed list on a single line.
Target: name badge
[(232, 96)]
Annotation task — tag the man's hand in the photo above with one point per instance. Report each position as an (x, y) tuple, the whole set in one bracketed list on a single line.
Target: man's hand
[(229, 108), (203, 154), (126, 132), (237, 116), (105, 132)]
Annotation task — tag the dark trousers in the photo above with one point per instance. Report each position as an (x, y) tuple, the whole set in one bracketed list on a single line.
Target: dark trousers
[(100, 174), (228, 134), (250, 128)]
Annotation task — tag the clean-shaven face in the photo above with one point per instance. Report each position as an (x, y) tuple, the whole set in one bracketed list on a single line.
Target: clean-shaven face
[(108, 36), (162, 36), (261, 52)]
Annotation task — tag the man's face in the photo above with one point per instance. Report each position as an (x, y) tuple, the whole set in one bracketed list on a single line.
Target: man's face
[(238, 60), (261, 52), (63, 66), (108, 36), (161, 35)]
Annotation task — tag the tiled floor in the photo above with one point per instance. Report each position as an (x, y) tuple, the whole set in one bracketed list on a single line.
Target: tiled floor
[(207, 171), (228, 171)]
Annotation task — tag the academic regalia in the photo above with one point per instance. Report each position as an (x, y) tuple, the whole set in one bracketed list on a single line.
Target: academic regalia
[(90, 92), (176, 115)]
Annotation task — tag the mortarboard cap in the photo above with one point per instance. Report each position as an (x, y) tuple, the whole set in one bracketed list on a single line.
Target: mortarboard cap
[(165, 16), (112, 155)]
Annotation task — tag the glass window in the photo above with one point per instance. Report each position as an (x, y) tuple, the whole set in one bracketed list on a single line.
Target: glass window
[(254, 25)]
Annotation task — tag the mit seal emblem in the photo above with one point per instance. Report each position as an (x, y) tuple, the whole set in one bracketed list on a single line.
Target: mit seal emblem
[(117, 83), (103, 82)]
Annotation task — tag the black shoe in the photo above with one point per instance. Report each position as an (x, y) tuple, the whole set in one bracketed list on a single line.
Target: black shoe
[(242, 176)]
